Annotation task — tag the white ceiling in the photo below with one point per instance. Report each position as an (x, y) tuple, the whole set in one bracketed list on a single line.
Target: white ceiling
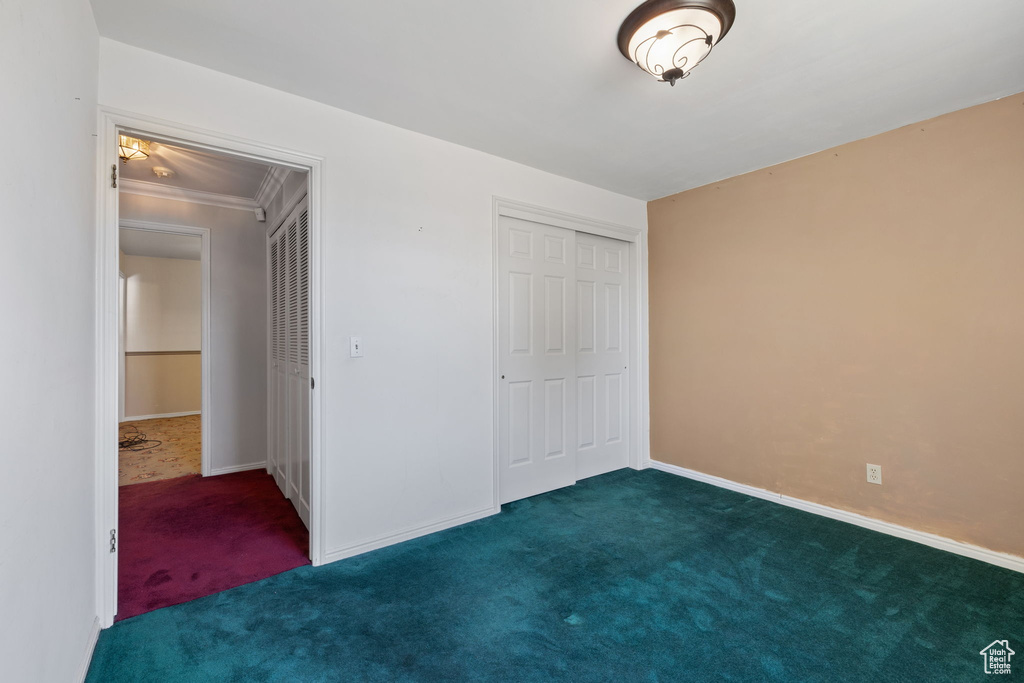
[(542, 82), (161, 244), (198, 170)]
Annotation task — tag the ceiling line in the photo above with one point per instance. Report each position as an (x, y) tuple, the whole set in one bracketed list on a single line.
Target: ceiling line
[(147, 189)]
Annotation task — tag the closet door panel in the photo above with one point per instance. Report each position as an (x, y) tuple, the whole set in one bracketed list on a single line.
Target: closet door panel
[(275, 303), (536, 345), (293, 390), (289, 387), (302, 370), (602, 357), (277, 390)]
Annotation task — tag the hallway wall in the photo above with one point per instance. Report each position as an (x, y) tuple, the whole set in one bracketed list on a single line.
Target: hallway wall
[(164, 325), (165, 304), (238, 319), (48, 66), (164, 384)]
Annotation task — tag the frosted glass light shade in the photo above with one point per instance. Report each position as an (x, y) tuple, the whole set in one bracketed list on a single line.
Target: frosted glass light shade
[(668, 38), (131, 148)]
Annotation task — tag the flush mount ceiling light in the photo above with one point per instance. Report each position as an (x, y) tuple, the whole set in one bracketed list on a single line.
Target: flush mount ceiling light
[(131, 148), (668, 38)]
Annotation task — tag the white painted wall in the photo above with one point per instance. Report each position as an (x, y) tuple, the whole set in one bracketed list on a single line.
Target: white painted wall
[(48, 54), (164, 312), (238, 319), (165, 304), (408, 255)]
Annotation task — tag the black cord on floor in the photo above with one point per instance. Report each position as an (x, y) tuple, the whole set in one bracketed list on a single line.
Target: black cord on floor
[(134, 440)]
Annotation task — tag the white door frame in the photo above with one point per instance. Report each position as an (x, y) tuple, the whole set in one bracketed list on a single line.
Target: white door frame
[(206, 349), (639, 440), (122, 336), (110, 121)]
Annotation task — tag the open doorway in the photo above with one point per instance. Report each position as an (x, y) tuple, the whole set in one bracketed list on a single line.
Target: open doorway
[(196, 509), (164, 328)]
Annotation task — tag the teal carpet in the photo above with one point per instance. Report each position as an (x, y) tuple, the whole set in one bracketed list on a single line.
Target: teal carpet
[(633, 576)]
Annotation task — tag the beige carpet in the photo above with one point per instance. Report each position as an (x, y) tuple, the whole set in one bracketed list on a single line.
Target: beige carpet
[(178, 454)]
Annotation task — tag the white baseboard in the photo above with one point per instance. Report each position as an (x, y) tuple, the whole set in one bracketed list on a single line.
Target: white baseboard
[(238, 468), (139, 418), (90, 647), (1005, 560), (408, 535)]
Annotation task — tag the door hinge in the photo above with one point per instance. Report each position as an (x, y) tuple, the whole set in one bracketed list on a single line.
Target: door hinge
[(312, 383), (113, 175), (113, 540)]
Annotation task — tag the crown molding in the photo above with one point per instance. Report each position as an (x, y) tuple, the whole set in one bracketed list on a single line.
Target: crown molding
[(147, 189), (271, 185), (286, 208)]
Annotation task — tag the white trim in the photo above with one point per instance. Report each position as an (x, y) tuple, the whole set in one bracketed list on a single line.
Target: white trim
[(107, 311), (286, 209), (269, 364), (271, 184), (639, 441), (206, 348), (721, 483), (1005, 560), (109, 122), (122, 338), (237, 468), (560, 219), (408, 535), (315, 192), (139, 418), (181, 194), (90, 647), (495, 360)]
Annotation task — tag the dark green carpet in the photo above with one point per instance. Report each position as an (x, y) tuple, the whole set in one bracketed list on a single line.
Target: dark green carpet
[(633, 576)]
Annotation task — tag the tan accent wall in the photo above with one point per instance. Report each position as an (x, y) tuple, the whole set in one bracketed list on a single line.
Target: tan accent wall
[(861, 305), (162, 384)]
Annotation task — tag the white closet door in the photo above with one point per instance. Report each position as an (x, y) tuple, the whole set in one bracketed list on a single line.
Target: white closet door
[(292, 389), (537, 368), (602, 355), (300, 372), (280, 370), (289, 373), (274, 424)]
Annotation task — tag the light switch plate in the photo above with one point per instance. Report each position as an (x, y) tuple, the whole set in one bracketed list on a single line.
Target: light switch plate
[(355, 347)]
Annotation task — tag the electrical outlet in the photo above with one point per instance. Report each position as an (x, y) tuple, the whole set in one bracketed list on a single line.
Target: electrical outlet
[(875, 474)]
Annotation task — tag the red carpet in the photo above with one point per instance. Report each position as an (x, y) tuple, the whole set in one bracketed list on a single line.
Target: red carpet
[(184, 538)]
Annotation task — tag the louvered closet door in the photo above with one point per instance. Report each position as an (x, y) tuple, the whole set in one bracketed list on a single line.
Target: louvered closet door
[(280, 423), (300, 370), (275, 421), (289, 377)]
